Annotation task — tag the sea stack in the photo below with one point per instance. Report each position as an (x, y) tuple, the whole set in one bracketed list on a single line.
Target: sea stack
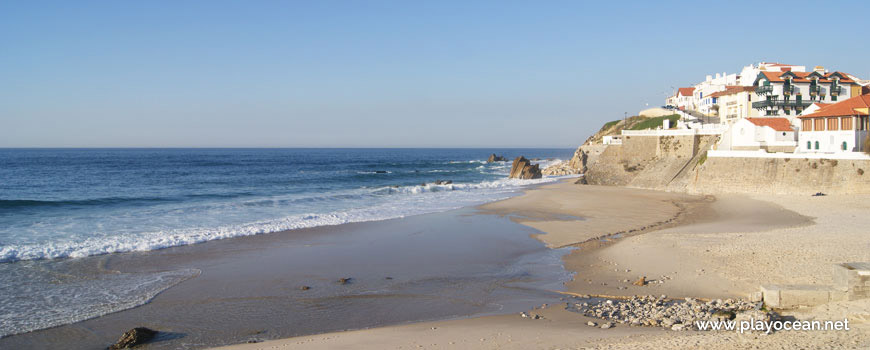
[(522, 168), (494, 158)]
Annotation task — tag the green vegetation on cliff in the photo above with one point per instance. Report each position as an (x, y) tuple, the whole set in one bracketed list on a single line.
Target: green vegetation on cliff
[(631, 123), (652, 123)]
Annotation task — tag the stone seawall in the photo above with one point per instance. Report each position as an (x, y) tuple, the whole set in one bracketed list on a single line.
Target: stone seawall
[(679, 163), (780, 176)]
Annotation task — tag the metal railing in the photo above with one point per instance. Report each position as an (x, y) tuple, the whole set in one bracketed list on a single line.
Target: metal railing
[(780, 103), (764, 89)]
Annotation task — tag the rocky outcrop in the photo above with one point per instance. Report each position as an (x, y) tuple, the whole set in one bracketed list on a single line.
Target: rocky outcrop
[(576, 165), (523, 168), (133, 337), (494, 158)]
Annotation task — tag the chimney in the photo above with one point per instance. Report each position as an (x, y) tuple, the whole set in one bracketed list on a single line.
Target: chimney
[(819, 69), (785, 69)]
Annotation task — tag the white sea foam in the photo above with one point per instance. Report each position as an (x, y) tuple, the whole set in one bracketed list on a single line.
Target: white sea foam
[(401, 202), (47, 303)]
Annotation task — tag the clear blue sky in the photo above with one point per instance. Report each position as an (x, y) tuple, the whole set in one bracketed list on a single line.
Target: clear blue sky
[(381, 73)]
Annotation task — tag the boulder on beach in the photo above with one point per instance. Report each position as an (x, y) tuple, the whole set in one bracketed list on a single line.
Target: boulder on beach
[(495, 158), (134, 337), (522, 168)]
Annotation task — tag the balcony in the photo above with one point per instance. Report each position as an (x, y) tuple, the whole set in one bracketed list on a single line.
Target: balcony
[(836, 90), (787, 89), (764, 89), (774, 103), (815, 90)]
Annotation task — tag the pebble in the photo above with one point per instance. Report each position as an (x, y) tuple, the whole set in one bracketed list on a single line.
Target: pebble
[(659, 312)]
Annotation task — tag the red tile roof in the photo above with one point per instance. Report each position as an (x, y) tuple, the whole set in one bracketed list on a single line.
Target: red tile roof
[(778, 124), (842, 108), (686, 91), (801, 77), (730, 90)]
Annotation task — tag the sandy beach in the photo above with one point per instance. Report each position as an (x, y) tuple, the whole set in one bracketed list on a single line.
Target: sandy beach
[(685, 246)]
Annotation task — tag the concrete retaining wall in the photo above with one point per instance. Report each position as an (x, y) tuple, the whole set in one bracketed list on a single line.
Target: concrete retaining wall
[(780, 175)]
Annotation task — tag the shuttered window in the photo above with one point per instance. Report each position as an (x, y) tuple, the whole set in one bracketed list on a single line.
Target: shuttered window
[(833, 124), (820, 124), (807, 125), (846, 123)]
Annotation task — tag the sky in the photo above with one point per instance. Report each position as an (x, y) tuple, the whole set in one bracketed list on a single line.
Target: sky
[(382, 73)]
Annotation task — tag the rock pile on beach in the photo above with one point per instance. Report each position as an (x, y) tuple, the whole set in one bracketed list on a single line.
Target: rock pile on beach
[(576, 165), (522, 168), (669, 314), (560, 169)]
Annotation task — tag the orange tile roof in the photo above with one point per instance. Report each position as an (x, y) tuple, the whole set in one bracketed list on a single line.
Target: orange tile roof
[(778, 124), (801, 77), (686, 91), (730, 90), (842, 108)]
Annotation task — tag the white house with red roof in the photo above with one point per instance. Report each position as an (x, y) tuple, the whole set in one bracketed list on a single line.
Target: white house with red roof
[(787, 93), (683, 99), (836, 128), (753, 134)]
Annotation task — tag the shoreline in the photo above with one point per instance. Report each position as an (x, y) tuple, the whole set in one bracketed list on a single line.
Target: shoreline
[(443, 274), (607, 261)]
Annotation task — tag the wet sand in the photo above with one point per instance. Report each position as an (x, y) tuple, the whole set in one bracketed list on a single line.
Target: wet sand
[(697, 246), (437, 266)]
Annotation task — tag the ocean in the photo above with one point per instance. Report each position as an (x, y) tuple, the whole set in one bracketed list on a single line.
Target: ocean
[(60, 205)]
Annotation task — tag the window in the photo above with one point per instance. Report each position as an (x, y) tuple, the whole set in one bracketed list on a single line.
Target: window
[(809, 145), (819, 124), (787, 111), (833, 124), (845, 145), (833, 98), (807, 125), (817, 145), (846, 123)]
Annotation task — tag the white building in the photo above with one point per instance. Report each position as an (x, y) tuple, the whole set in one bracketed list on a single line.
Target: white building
[(749, 73), (683, 99), (788, 93), (752, 134), (704, 90), (839, 127)]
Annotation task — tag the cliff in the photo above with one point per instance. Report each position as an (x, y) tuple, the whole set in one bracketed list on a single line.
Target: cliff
[(680, 164)]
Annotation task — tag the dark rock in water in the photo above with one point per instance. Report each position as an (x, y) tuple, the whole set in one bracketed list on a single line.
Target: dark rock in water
[(304, 288), (133, 337), (380, 172), (345, 280), (522, 168), (494, 158), (443, 182), (388, 278), (819, 194)]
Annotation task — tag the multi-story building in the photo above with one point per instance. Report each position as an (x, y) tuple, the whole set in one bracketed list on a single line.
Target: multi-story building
[(749, 73), (838, 127), (788, 93), (734, 103), (704, 90)]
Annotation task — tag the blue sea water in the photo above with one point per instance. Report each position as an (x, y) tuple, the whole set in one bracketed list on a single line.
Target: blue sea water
[(68, 203), (60, 205)]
